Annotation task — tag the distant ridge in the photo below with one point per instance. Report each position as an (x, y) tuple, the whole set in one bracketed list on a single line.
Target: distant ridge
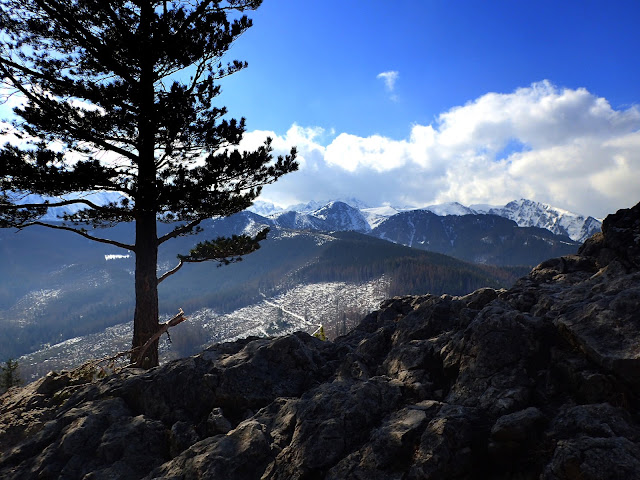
[(526, 213)]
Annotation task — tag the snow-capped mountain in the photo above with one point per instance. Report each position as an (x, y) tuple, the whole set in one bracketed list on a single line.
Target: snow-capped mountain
[(306, 207), (340, 216), (527, 213), (298, 221), (521, 232), (451, 208), (314, 205), (243, 223), (264, 208), (375, 216)]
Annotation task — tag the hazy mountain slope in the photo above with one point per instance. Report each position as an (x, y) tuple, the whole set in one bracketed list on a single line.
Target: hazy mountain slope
[(338, 306), (489, 239), (408, 270)]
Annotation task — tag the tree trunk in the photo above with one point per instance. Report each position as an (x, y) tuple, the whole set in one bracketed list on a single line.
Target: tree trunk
[(145, 321)]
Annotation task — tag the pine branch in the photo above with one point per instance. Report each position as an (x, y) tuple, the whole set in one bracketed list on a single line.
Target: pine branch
[(62, 203), (176, 232), (84, 37), (80, 134), (222, 250)]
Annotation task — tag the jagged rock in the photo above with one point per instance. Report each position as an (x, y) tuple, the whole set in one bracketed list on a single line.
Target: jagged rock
[(538, 381), (513, 434), (217, 422), (446, 448)]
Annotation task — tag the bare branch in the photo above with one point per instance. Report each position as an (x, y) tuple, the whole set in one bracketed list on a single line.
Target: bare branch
[(82, 233), (163, 327), (171, 272), (139, 352)]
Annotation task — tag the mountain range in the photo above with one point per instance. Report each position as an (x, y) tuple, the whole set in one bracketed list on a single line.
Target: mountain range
[(520, 233), (352, 214)]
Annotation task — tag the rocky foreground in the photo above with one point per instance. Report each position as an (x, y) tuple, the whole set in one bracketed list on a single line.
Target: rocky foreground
[(539, 381)]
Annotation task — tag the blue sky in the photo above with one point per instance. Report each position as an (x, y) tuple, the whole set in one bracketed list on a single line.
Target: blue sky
[(316, 62), (363, 78)]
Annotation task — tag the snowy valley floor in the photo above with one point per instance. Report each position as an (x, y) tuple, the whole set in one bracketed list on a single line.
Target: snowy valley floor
[(337, 306)]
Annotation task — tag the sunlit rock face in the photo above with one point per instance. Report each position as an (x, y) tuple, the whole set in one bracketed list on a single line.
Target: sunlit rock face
[(538, 381)]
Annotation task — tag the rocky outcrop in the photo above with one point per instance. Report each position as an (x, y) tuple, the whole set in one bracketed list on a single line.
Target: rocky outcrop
[(538, 381)]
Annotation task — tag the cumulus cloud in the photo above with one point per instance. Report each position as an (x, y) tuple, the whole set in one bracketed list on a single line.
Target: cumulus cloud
[(566, 147)]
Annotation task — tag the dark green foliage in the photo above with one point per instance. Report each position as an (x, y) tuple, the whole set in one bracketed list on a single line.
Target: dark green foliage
[(83, 67), (126, 91), (9, 376), (224, 249)]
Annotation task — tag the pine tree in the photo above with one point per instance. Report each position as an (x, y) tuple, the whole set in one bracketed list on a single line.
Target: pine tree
[(9, 376), (119, 97)]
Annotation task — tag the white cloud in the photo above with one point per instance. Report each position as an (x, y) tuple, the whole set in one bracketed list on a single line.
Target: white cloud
[(389, 79), (566, 147)]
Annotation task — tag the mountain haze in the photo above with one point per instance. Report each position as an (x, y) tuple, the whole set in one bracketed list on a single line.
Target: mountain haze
[(58, 288)]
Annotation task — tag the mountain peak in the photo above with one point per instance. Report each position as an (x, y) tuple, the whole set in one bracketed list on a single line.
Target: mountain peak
[(341, 216), (529, 213), (450, 208)]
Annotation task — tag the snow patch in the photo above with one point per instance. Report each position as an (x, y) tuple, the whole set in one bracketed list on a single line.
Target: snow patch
[(116, 257)]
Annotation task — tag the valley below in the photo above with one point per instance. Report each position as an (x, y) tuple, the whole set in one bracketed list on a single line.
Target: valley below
[(336, 306)]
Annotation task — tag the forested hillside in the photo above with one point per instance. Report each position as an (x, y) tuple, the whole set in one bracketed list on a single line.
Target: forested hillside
[(359, 258)]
